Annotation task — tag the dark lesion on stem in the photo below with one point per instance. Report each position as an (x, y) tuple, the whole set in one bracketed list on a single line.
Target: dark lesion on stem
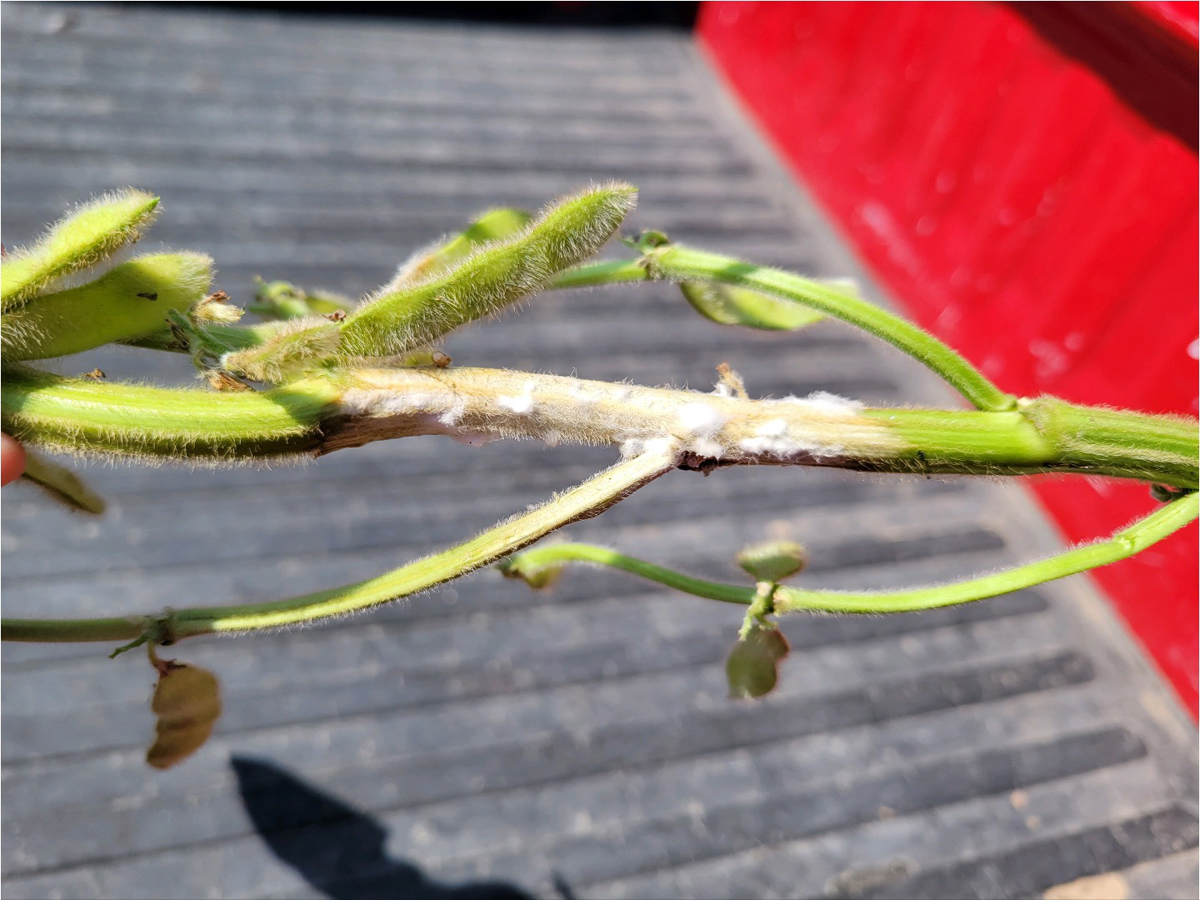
[(705, 465)]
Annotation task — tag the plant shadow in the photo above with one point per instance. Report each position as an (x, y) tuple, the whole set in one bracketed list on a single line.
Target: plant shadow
[(339, 850)]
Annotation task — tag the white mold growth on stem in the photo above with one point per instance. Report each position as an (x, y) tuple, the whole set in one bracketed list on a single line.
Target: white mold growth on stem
[(701, 424), (470, 404), (828, 404), (701, 419), (522, 404)]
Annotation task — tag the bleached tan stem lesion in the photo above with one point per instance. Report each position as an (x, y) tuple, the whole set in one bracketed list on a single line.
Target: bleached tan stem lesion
[(476, 406)]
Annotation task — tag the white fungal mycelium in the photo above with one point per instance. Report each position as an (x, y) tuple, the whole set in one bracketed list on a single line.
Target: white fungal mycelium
[(770, 438), (403, 403), (776, 438), (699, 424), (700, 420), (827, 404), (522, 404), (707, 448), (636, 446), (722, 390), (638, 420), (454, 414)]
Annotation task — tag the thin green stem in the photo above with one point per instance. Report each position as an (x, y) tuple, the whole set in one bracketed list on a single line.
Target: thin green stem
[(585, 500), (681, 264), (532, 563), (1123, 544), (73, 630), (596, 274), (761, 606)]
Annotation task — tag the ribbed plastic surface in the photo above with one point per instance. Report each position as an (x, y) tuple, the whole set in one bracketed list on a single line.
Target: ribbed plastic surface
[(484, 740)]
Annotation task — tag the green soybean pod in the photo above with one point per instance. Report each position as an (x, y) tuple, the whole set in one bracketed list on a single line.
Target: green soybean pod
[(493, 225), (285, 350), (128, 302), (404, 316), (86, 237)]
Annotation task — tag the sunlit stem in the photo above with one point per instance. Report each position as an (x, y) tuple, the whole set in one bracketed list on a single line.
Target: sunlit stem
[(1125, 543), (587, 499), (681, 264)]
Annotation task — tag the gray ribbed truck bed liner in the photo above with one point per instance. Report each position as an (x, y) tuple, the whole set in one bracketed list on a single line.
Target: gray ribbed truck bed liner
[(484, 740)]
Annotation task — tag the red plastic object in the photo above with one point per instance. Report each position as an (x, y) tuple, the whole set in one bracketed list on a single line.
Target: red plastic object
[(1025, 180)]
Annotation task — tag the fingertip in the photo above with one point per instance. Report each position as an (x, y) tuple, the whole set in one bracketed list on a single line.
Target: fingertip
[(12, 459)]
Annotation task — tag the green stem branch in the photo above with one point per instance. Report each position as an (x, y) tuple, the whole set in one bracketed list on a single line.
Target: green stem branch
[(1125, 543), (583, 501), (681, 264), (61, 631)]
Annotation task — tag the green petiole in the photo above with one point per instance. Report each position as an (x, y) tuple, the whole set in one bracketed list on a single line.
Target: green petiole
[(681, 264), (1125, 543)]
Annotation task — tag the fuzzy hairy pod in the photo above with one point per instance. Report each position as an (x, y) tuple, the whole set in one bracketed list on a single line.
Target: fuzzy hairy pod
[(88, 236), (78, 415), (128, 302), (186, 704), (403, 316), (288, 350), (440, 257)]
